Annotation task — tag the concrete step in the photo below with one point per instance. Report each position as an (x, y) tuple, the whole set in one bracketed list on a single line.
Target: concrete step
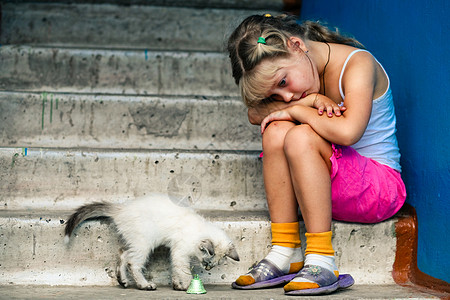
[(127, 122), (122, 26), (140, 72), (241, 4), (66, 178), (365, 251), (213, 292)]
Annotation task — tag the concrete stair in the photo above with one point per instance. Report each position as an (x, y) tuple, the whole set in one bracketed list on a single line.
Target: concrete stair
[(110, 100), (104, 121), (42, 258), (104, 71), (180, 25)]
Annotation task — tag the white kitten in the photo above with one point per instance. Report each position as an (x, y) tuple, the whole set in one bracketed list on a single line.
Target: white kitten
[(149, 222)]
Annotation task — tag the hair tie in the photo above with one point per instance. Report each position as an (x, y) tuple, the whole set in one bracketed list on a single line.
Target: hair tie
[(267, 15), (261, 40)]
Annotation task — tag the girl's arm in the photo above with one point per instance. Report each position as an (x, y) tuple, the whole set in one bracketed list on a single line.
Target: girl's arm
[(359, 84), (257, 114)]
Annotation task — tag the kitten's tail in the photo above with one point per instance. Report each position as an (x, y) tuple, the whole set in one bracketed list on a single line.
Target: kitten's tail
[(89, 211)]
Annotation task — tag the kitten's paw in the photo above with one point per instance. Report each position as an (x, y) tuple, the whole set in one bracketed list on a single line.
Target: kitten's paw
[(150, 286), (180, 286), (122, 281)]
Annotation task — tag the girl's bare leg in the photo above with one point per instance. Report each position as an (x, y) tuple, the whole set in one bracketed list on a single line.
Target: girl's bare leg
[(308, 156), (283, 207)]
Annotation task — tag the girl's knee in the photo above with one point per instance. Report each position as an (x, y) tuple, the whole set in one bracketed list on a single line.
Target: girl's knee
[(301, 138), (274, 135)]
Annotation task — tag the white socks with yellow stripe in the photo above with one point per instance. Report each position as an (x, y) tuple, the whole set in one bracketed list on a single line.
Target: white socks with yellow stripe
[(286, 253), (319, 252)]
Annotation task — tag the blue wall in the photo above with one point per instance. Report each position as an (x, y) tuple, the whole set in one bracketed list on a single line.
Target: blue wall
[(411, 40)]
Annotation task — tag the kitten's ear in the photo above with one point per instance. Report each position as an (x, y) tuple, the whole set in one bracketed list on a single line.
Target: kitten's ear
[(232, 253), (207, 246)]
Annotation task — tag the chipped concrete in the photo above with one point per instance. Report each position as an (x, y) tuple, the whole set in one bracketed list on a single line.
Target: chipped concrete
[(157, 120), (132, 122), (84, 176), (123, 26), (140, 72)]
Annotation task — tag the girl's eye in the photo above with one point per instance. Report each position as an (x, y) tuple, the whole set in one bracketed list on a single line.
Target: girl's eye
[(282, 82)]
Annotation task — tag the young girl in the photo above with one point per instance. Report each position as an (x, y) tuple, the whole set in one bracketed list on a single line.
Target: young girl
[(327, 117)]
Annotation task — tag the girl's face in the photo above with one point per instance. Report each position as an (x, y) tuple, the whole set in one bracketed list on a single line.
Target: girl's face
[(295, 78)]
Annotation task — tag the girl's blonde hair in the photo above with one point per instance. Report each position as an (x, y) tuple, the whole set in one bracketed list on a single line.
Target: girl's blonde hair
[(246, 52)]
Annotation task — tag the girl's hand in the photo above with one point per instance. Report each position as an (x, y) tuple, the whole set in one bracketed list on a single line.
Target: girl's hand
[(323, 103), (281, 115)]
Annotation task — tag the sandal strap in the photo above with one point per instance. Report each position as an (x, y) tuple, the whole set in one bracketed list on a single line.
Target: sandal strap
[(317, 274), (265, 270)]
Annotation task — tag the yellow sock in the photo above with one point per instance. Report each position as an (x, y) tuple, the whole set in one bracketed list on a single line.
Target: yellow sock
[(286, 235), (283, 235), (317, 244)]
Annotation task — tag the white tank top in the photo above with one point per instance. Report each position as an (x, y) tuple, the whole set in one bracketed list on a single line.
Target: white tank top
[(379, 141)]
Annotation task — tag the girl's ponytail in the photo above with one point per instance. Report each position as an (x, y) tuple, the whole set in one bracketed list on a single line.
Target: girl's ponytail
[(244, 50), (314, 31)]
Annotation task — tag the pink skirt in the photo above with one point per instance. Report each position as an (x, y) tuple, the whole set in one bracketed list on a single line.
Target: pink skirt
[(363, 190)]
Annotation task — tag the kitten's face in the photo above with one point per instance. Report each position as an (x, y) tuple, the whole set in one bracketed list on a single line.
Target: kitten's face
[(215, 254)]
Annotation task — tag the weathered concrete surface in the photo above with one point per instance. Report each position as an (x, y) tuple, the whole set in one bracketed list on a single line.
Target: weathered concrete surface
[(130, 122), (146, 27), (213, 292), (244, 4), (60, 179), (365, 251), (140, 72)]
